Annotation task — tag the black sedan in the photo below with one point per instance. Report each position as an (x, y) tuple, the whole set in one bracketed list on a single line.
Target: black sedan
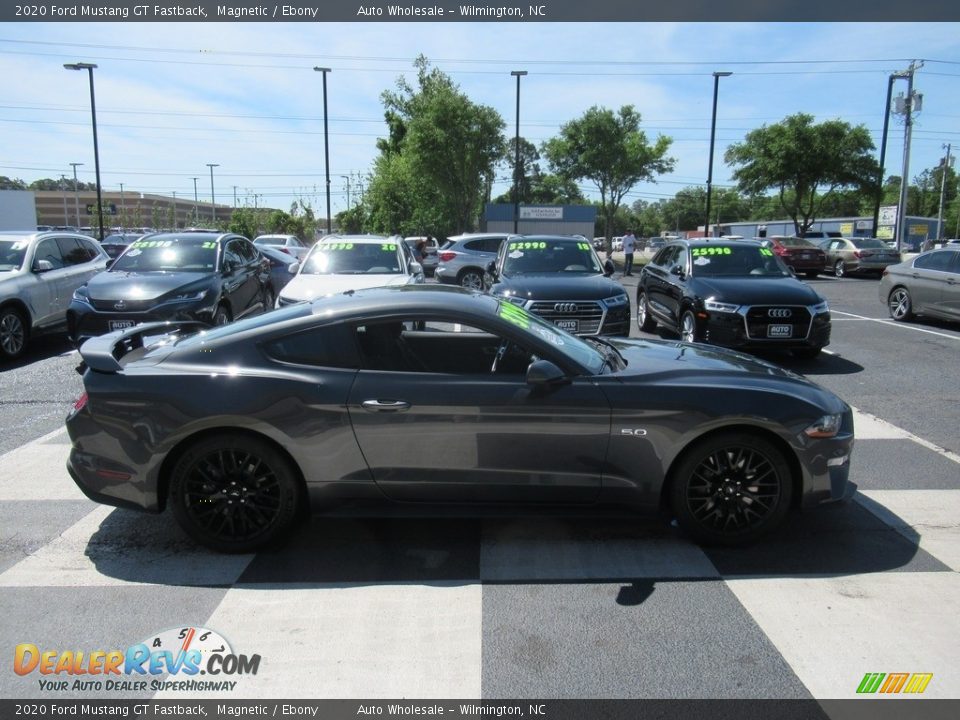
[(239, 428), (737, 294), (201, 276), (561, 279)]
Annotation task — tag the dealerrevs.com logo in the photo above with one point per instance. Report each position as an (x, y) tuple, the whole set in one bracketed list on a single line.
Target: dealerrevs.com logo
[(894, 683), (185, 654)]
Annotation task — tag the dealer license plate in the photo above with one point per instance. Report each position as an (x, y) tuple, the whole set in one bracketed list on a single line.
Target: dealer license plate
[(568, 325), (779, 331), (121, 324)]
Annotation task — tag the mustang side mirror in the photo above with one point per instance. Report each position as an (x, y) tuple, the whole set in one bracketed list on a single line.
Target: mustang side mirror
[(677, 270), (492, 269), (293, 268), (42, 266), (542, 373), (608, 268)]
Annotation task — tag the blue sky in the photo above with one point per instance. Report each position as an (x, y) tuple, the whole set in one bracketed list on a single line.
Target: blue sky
[(172, 97)]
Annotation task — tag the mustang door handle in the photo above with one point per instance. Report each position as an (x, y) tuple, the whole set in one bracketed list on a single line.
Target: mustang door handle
[(385, 405)]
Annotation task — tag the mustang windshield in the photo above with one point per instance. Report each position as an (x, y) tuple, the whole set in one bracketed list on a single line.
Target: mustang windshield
[(565, 343), (736, 260), (550, 256), (170, 254), (348, 258)]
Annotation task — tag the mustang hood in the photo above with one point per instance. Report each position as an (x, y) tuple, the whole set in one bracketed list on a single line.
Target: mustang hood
[(675, 361), (558, 286), (141, 286), (748, 290), (655, 356)]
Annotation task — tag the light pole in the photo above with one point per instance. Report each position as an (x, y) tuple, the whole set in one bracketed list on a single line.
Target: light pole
[(96, 151), (347, 178), (76, 199), (326, 144), (883, 154), (196, 204), (213, 200), (947, 162), (123, 209), (516, 157), (234, 195), (713, 131), (63, 192)]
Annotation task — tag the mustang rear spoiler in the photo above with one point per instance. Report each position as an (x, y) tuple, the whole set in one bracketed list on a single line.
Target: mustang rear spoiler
[(103, 353)]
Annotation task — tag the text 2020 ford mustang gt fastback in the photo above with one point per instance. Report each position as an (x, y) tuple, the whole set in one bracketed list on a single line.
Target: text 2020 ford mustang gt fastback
[(430, 397)]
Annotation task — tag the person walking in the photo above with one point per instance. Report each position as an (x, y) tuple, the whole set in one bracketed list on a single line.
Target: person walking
[(629, 244)]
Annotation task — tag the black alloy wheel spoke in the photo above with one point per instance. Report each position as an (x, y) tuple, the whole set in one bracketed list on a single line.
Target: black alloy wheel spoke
[(232, 494), (733, 489)]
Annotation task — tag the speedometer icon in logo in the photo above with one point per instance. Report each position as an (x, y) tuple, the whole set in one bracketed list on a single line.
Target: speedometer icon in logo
[(187, 639)]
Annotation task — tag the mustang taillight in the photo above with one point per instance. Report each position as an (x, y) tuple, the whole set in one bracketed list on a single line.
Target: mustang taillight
[(447, 256), (80, 403), (780, 250), (858, 254)]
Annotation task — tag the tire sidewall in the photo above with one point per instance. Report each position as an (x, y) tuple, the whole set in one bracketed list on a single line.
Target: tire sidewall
[(25, 328)]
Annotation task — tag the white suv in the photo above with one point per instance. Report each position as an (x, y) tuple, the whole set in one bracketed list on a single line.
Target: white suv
[(338, 263), (38, 273)]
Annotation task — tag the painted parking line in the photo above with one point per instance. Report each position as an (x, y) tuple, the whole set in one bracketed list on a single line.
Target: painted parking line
[(891, 323), (870, 427)]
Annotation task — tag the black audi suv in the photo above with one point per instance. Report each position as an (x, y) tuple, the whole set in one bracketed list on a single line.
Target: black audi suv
[(737, 294), (208, 277), (561, 279)]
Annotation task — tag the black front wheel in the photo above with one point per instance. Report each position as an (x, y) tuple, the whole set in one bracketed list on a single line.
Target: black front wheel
[(731, 489), (234, 493)]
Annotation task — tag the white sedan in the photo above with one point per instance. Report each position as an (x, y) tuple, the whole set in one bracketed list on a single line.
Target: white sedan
[(351, 262)]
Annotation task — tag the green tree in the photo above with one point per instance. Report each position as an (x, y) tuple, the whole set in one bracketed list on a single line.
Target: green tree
[(610, 150), (442, 148), (805, 163), (12, 183)]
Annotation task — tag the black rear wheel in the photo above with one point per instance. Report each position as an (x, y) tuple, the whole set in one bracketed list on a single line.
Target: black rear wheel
[(234, 493), (731, 489)]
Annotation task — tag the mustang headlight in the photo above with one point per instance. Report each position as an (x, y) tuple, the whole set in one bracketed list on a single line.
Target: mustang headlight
[(716, 306), (820, 308), (616, 301), (826, 427)]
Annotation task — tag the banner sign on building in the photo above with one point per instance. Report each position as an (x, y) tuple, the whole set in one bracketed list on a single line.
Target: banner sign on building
[(541, 213), (888, 215)]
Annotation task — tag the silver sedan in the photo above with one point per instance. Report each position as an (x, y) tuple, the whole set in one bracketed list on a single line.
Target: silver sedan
[(928, 284)]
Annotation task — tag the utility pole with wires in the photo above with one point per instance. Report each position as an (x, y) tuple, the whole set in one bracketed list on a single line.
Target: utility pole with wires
[(947, 164), (906, 105)]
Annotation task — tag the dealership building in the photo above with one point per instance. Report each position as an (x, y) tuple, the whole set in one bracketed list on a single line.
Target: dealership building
[(918, 231), (542, 219)]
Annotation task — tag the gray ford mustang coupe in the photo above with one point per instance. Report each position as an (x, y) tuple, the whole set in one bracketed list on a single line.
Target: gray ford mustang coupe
[(435, 397)]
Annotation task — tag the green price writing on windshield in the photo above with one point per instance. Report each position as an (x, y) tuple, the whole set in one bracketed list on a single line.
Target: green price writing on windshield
[(338, 246), (703, 251), (766, 251), (583, 246), (388, 246), (527, 245), (159, 243)]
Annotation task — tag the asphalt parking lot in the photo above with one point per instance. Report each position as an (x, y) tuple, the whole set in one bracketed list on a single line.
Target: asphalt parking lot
[(537, 608)]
